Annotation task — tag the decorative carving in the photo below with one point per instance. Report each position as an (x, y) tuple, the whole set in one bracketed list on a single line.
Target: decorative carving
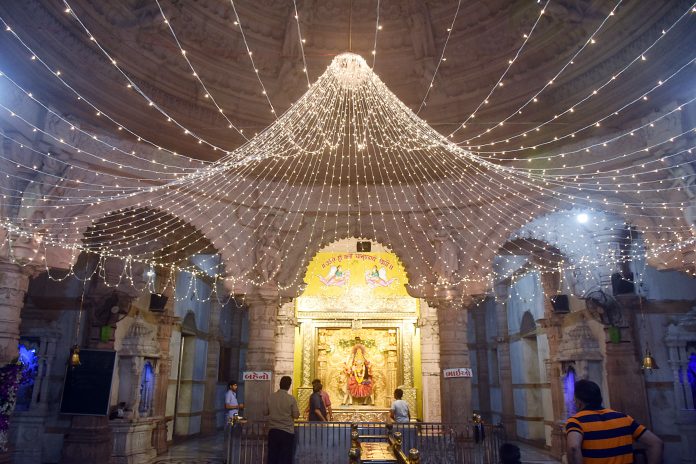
[(307, 334), (356, 303), (407, 352), (140, 340), (360, 415), (579, 343), (268, 256)]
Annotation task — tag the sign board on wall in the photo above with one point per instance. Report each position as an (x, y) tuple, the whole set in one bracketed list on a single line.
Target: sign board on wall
[(256, 375), (457, 372)]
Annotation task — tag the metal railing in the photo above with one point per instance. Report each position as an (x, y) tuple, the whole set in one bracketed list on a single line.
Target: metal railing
[(330, 442)]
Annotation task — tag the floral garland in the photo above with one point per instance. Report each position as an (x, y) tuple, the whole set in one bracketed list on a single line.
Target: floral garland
[(10, 378)]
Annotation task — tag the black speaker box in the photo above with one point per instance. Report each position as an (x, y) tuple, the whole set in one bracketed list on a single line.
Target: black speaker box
[(560, 304), (157, 302), (364, 247), (620, 285)]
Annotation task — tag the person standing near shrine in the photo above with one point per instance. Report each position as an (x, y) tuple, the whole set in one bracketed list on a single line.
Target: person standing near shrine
[(399, 411), (317, 408), (601, 435), (327, 403), (325, 398), (232, 405), (282, 411)]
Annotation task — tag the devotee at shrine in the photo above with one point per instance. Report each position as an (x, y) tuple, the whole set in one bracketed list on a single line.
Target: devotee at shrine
[(399, 411), (281, 413), (317, 408)]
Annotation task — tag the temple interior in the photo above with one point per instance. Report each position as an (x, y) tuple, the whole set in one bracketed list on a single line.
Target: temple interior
[(476, 202)]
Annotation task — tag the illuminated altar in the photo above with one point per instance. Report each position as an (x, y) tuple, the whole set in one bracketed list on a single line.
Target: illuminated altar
[(357, 334)]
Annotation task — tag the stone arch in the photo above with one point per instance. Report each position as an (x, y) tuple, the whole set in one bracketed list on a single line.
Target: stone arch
[(528, 325), (100, 216), (578, 243), (188, 324), (174, 241)]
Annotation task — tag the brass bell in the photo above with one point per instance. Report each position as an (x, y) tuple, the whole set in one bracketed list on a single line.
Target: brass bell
[(75, 356), (648, 362)]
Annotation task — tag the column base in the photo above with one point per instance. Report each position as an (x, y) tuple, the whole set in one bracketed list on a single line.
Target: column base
[(208, 423), (256, 393), (159, 437), (6, 456), (88, 440), (132, 442)]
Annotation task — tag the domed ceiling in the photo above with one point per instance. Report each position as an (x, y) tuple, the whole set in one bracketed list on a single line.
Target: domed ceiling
[(450, 125), (446, 60)]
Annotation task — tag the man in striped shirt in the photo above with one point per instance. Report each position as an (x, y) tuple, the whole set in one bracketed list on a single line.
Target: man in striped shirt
[(597, 435)]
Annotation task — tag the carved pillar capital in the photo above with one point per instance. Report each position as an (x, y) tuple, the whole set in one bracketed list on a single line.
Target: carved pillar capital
[(14, 281)]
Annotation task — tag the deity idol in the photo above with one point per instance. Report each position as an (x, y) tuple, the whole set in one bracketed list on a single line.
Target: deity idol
[(359, 375)]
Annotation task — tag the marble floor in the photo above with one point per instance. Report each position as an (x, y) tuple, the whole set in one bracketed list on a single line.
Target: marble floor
[(209, 450), (531, 455)]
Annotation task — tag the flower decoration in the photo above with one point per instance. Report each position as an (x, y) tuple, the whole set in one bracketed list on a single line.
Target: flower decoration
[(10, 378)]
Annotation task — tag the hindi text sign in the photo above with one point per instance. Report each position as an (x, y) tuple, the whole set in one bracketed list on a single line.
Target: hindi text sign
[(256, 375), (457, 372)]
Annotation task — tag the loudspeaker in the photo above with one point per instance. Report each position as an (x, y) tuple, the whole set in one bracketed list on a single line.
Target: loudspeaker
[(560, 304), (364, 247), (157, 302), (621, 285)]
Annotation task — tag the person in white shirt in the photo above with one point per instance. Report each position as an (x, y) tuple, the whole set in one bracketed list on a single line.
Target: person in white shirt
[(232, 405), (399, 411)]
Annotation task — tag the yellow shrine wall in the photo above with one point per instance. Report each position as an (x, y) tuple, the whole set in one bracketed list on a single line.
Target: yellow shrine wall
[(350, 295)]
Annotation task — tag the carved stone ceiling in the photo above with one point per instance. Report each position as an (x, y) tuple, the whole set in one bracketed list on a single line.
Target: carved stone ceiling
[(485, 36)]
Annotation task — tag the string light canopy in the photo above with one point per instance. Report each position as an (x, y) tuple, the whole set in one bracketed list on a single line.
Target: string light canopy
[(349, 159)]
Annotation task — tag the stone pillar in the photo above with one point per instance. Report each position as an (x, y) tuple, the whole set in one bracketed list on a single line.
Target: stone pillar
[(430, 363), (165, 322), (285, 341), (454, 353), (212, 369), (89, 438), (483, 377), (504, 365), (28, 425), (14, 281), (680, 335), (552, 325), (238, 315), (622, 365), (263, 311)]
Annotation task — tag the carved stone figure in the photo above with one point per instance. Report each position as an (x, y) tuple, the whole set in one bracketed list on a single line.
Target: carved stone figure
[(446, 262), (421, 30), (268, 258)]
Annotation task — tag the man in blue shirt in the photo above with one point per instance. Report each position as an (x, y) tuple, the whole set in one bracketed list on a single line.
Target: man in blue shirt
[(231, 404), (317, 409)]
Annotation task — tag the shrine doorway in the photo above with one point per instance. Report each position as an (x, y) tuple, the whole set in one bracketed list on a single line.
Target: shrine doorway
[(357, 333)]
